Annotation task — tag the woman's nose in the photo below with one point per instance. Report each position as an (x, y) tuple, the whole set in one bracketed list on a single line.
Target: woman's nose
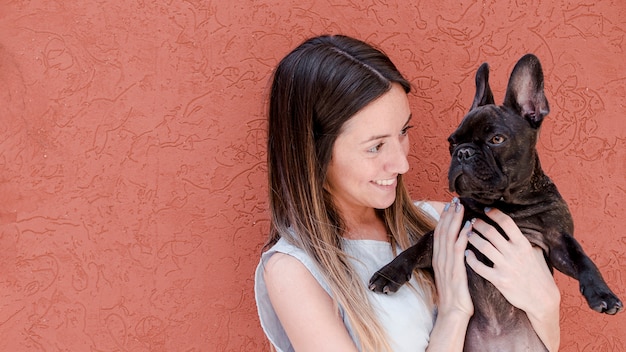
[(398, 160)]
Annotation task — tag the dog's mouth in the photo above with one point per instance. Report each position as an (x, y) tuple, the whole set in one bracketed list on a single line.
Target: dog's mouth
[(484, 191)]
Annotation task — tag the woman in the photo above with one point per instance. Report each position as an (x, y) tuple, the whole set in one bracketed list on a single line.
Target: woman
[(337, 149)]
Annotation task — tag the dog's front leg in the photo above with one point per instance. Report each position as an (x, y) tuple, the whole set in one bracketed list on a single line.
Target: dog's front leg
[(567, 256), (393, 275)]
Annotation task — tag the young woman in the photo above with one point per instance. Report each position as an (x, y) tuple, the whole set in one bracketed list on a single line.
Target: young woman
[(337, 150)]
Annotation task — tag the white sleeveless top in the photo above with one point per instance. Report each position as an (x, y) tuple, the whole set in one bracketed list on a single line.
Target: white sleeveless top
[(405, 315)]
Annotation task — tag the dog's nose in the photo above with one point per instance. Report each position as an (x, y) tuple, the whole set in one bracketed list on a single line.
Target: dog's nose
[(464, 154)]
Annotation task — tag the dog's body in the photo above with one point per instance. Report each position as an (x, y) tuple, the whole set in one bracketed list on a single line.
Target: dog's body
[(495, 163)]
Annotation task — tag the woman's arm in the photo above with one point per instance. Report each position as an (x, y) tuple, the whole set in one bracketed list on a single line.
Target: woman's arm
[(305, 310), (455, 306), (520, 273)]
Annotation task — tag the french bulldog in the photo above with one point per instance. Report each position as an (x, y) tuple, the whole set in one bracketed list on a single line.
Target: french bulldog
[(495, 164)]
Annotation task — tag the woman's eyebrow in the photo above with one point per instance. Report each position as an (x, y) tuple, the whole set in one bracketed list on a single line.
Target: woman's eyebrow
[(375, 137)]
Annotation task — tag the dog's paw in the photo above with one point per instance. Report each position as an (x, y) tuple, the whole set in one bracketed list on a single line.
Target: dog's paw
[(387, 281), (602, 300)]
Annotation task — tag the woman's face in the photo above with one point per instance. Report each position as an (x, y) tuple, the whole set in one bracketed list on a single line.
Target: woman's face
[(369, 154)]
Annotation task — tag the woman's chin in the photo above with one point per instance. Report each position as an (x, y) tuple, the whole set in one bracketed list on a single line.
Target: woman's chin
[(385, 204)]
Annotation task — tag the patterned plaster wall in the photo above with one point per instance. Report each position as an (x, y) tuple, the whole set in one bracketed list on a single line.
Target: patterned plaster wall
[(132, 152)]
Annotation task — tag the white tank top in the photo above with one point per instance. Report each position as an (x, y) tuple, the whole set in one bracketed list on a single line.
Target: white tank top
[(405, 315)]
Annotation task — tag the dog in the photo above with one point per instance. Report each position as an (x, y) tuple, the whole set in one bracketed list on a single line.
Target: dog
[(495, 164)]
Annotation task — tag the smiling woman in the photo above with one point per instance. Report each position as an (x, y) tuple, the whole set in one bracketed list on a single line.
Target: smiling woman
[(337, 150)]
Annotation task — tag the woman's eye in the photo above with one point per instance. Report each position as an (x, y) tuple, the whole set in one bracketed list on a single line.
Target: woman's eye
[(405, 130), (497, 139), (376, 148)]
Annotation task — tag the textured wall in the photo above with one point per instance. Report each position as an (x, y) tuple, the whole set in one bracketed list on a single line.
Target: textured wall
[(132, 160)]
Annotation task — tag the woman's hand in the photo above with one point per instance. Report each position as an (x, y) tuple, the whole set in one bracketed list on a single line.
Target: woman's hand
[(455, 305), (520, 273), (449, 261)]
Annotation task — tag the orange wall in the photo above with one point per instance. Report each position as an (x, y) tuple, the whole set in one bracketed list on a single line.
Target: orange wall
[(132, 150)]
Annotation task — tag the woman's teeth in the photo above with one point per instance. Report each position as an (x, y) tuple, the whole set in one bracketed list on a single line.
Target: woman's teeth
[(385, 182)]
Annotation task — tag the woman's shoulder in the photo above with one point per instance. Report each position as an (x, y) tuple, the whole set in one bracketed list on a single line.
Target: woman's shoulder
[(284, 267), (285, 261)]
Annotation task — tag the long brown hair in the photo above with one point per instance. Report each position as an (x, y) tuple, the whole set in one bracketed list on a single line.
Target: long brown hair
[(315, 89)]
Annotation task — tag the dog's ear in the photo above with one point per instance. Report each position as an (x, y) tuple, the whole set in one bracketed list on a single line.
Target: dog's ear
[(483, 96), (524, 93)]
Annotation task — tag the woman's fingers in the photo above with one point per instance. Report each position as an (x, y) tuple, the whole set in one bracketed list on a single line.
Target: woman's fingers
[(507, 224), (496, 245), (455, 224), (490, 233), (481, 269), (445, 233), (460, 246), (485, 247)]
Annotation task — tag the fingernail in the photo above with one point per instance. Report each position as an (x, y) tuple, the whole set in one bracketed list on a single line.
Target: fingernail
[(446, 207), (455, 200), (487, 209), (458, 207), (470, 233), (466, 252), (467, 224)]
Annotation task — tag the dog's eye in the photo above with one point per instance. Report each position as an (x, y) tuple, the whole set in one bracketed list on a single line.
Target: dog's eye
[(497, 139)]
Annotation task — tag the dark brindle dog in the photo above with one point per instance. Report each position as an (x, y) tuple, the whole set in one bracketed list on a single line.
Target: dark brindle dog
[(495, 163)]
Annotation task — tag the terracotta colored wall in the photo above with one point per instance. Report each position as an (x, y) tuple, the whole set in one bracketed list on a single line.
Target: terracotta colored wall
[(132, 181)]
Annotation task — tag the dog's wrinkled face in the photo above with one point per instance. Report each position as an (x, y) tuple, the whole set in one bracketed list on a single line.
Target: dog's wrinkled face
[(493, 149)]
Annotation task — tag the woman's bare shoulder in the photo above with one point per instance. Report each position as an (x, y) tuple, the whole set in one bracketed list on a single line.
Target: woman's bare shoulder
[(282, 266), (306, 311)]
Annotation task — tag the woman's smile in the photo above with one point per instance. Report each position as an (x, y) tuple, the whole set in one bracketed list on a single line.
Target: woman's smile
[(388, 182)]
